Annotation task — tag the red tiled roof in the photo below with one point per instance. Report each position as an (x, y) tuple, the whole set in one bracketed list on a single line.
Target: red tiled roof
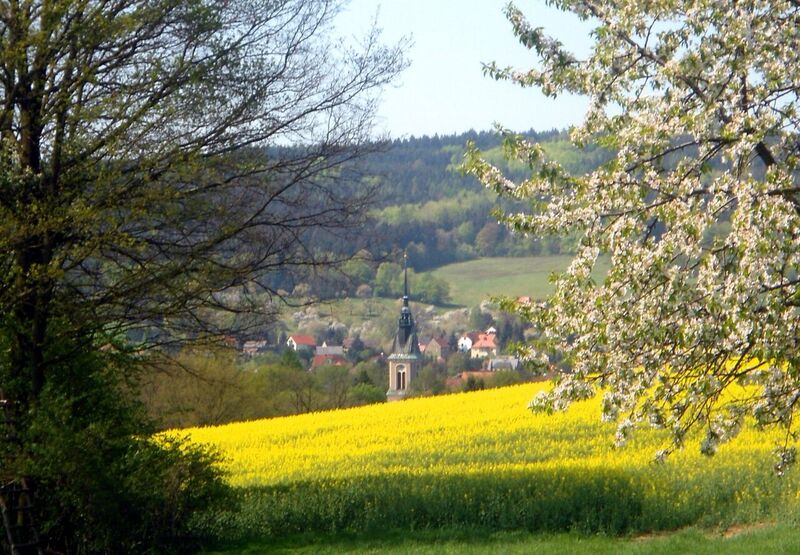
[(485, 341), (336, 360), (303, 340)]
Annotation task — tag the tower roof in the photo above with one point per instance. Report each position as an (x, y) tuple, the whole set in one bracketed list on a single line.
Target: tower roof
[(405, 340)]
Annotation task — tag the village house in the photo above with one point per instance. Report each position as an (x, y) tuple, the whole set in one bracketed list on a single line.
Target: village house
[(484, 346), (298, 342), (330, 360), (434, 348), (252, 348), (326, 349), (502, 363), (466, 340)]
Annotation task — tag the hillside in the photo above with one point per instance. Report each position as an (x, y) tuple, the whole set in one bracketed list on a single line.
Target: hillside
[(417, 170), (476, 280), (424, 205), (427, 207)]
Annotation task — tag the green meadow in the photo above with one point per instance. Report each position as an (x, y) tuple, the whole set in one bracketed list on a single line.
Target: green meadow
[(772, 539), (476, 280)]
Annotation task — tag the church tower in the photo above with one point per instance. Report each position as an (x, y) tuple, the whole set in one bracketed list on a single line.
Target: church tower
[(406, 358)]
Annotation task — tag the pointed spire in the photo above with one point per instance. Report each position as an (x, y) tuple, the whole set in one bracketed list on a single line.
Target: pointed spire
[(405, 341), (405, 278)]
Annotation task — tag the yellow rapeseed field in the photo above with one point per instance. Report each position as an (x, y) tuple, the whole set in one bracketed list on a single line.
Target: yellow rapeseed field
[(460, 433), (483, 458)]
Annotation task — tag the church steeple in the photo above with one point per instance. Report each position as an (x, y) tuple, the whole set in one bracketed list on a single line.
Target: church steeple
[(406, 358), (405, 279), (405, 340)]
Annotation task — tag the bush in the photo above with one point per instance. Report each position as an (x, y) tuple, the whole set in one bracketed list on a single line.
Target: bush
[(366, 394), (101, 483)]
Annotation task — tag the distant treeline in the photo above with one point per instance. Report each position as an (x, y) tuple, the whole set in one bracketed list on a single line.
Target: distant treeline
[(425, 206), (428, 208)]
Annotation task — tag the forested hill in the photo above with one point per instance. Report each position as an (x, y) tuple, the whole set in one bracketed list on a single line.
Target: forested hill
[(422, 169), (427, 207)]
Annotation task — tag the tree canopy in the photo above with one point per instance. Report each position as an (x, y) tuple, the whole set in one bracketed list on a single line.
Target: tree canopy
[(698, 211), (159, 161)]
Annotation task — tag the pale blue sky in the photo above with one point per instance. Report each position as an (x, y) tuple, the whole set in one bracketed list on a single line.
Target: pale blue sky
[(444, 90)]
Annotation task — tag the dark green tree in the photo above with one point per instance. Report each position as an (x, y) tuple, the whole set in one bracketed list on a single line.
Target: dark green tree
[(366, 394), (376, 372), (488, 238), (291, 359), (389, 280), (147, 184), (430, 380), (427, 288), (474, 384), (334, 382), (461, 362), (479, 320), (290, 389)]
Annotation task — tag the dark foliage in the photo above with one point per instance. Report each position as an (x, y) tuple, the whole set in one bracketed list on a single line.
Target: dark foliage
[(102, 483)]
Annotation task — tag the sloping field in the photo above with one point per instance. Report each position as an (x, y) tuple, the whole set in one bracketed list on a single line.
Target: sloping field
[(475, 280), (481, 459)]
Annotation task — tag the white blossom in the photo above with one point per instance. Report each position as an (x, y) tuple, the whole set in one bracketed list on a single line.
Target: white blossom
[(698, 213)]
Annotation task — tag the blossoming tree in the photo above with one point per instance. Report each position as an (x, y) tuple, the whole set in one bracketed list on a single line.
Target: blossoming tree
[(698, 212)]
